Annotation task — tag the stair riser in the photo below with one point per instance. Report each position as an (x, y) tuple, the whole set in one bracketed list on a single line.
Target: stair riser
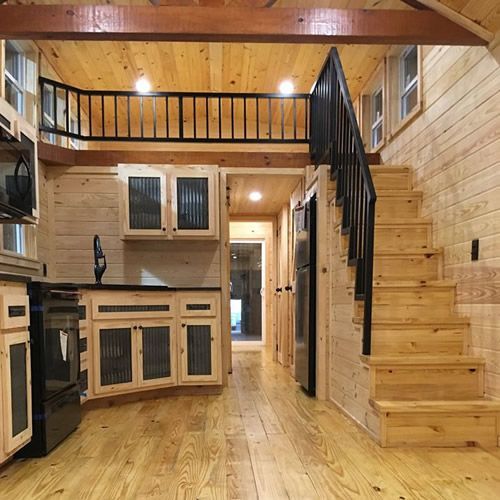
[(402, 238), (391, 268), (391, 181), (392, 207), (457, 382), (389, 342), (439, 430)]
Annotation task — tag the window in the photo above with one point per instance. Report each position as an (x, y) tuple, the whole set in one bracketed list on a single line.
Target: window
[(372, 124), (48, 118), (409, 81), (13, 238), (377, 118), (404, 86), (15, 67)]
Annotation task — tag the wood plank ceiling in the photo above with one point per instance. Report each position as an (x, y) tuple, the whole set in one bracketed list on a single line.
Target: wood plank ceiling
[(483, 12), (275, 190), (226, 67)]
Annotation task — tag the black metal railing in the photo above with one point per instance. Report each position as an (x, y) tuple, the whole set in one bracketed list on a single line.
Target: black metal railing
[(103, 115), (336, 140)]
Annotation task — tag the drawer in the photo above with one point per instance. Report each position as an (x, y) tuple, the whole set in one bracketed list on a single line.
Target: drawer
[(136, 307), (15, 311), (202, 305)]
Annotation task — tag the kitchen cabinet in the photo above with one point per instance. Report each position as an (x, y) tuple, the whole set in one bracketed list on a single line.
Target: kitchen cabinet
[(132, 354), (15, 373), (199, 350), (169, 202)]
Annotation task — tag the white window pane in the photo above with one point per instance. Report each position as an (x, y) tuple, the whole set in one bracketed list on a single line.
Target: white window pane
[(410, 66), (13, 238), (409, 101), (14, 60), (377, 135), (13, 96), (377, 106)]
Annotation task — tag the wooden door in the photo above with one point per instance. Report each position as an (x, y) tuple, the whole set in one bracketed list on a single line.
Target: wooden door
[(115, 356), (194, 202), (16, 390), (144, 201), (157, 358), (199, 345)]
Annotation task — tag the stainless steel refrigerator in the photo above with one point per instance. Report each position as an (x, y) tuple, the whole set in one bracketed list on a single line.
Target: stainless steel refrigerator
[(305, 295)]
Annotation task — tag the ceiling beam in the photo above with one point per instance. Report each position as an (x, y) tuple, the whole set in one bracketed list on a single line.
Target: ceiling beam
[(230, 24), (415, 4), (456, 18)]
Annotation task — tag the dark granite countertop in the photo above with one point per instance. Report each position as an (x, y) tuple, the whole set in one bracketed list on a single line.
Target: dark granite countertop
[(14, 277), (150, 288)]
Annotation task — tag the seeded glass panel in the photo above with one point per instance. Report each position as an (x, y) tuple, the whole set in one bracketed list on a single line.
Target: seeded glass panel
[(144, 202), (199, 348), (116, 355), (156, 352), (192, 203), (19, 396)]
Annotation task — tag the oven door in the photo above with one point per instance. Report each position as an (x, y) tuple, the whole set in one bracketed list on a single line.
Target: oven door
[(61, 357), (17, 176)]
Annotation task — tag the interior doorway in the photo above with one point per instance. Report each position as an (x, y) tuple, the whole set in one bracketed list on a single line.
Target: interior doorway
[(247, 278)]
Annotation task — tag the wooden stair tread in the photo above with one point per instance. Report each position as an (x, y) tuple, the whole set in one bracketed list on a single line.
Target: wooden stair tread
[(389, 169), (421, 359), (398, 193), (403, 221), (443, 406), (416, 322)]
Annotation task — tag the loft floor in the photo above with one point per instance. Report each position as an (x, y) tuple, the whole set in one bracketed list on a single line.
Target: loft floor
[(263, 438)]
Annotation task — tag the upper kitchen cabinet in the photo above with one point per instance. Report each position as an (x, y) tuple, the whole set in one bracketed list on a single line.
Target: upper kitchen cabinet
[(169, 202)]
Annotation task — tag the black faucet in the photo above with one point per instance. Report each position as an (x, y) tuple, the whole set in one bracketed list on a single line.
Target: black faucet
[(98, 254)]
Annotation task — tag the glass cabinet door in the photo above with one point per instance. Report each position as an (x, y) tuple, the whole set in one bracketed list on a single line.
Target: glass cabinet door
[(114, 358), (199, 350), (145, 207), (16, 379), (156, 353), (193, 203)]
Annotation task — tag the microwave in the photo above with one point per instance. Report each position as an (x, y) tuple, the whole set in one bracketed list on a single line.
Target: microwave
[(17, 177)]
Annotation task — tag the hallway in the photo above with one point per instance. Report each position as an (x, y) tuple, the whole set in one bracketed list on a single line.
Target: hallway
[(263, 438)]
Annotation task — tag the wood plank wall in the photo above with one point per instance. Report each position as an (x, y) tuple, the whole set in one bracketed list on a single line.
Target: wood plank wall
[(453, 148), (86, 202), (349, 382)]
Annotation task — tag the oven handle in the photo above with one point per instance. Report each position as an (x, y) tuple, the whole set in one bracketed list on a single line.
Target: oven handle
[(22, 161), (66, 293)]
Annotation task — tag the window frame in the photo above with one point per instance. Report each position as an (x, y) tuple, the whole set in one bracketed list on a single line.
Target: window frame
[(17, 83), (395, 86), (375, 85), (406, 89)]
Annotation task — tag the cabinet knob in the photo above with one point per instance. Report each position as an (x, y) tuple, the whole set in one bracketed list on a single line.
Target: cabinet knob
[(140, 327), (174, 229), (288, 288), (183, 325), (135, 327), (163, 228), (279, 290)]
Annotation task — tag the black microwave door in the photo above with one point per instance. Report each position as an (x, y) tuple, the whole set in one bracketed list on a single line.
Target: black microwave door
[(61, 350)]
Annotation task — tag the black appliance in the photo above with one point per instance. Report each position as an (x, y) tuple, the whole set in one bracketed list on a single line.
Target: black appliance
[(17, 176), (305, 295), (55, 365), (99, 257)]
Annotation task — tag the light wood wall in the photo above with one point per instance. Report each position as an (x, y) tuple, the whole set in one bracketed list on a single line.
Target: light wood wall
[(85, 202), (453, 148)]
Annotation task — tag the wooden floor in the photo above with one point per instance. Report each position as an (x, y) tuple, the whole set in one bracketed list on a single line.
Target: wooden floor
[(263, 438)]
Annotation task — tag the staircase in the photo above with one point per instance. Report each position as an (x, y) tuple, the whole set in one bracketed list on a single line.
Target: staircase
[(426, 391)]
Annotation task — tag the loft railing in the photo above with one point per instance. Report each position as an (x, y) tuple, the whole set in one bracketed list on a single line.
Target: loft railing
[(336, 141), (103, 115)]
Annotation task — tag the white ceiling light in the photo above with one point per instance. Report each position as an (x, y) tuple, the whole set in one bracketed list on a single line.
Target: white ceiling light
[(286, 87), (142, 85), (255, 196)]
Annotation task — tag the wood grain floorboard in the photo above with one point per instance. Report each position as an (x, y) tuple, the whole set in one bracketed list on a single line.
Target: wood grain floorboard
[(263, 438)]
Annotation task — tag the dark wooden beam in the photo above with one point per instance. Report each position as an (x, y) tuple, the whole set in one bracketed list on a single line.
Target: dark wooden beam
[(415, 4), (56, 156), (230, 24)]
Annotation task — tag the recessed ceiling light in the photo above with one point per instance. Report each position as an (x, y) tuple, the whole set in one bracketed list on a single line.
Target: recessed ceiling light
[(142, 85), (286, 87), (255, 196)]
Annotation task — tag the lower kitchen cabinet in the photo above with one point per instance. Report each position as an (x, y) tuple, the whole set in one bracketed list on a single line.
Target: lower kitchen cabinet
[(133, 354), (199, 348), (15, 376), (157, 364)]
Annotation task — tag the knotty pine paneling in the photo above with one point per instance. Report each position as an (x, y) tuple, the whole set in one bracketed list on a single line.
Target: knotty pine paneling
[(349, 383), (86, 202), (454, 150)]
